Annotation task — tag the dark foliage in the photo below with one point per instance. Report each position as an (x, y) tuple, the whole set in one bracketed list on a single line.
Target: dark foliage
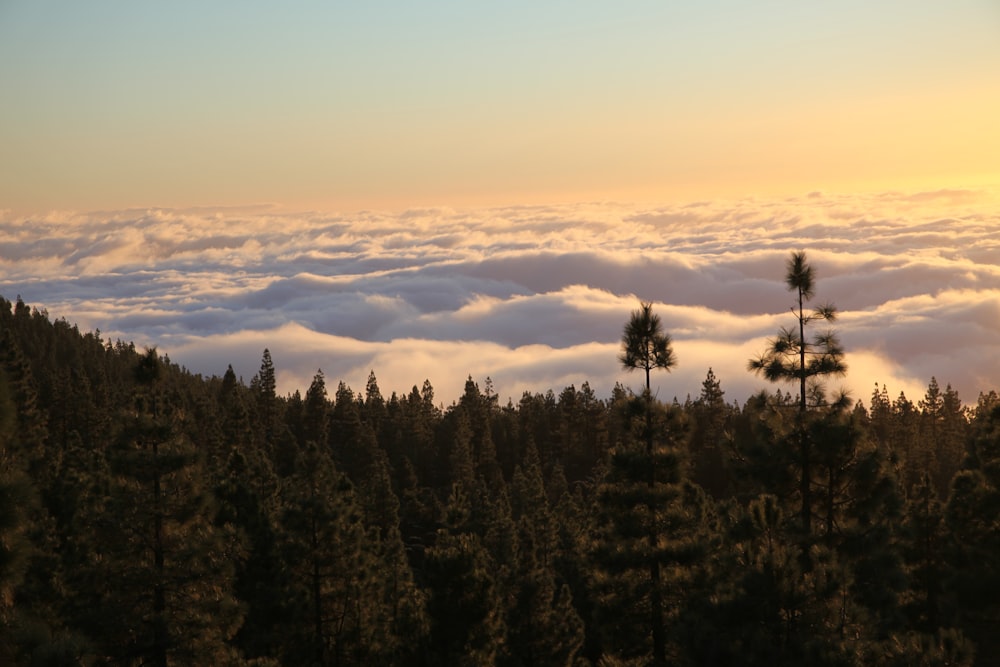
[(152, 516)]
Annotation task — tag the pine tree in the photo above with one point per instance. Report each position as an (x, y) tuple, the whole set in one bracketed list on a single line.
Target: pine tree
[(403, 624), (334, 569), (466, 621), (419, 420), (649, 539), (543, 626), (260, 580), (880, 416), (315, 420), (861, 507), (645, 346), (791, 357), (709, 415), (414, 471), (906, 440), (763, 448), (16, 497), (266, 410), (853, 556), (771, 610), (461, 464), (970, 514), (353, 439), (30, 435), (232, 416), (374, 404), (929, 437), (925, 547), (583, 431), (167, 570), (477, 410)]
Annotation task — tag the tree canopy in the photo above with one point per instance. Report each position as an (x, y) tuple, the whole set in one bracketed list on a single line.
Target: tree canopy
[(149, 515)]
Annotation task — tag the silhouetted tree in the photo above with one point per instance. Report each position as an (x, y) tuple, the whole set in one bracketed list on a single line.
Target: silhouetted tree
[(791, 357), (645, 346), (709, 414)]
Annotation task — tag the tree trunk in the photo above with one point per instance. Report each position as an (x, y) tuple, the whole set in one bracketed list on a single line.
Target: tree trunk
[(159, 657), (804, 486), (317, 591), (656, 595)]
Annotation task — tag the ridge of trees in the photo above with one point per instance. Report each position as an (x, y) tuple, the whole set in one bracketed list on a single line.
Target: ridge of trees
[(149, 515)]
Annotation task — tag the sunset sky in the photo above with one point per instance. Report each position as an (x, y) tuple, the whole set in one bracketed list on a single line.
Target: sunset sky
[(389, 105), (443, 189)]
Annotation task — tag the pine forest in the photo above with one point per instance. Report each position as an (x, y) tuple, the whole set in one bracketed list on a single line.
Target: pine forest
[(152, 516)]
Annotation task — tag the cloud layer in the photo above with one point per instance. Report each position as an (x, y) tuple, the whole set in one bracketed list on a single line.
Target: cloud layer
[(534, 297)]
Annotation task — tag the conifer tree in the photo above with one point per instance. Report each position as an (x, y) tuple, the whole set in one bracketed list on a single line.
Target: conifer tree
[(401, 607), (854, 549), (769, 609), (583, 429), (230, 414), (943, 429), (763, 446), (331, 570), (538, 423), (28, 442), (260, 580), (460, 466), (266, 409), (861, 507), (16, 496), (543, 626), (420, 419), (315, 420), (639, 499), (905, 440), (791, 357), (925, 547), (709, 414), (166, 569), (973, 505), (374, 403), (464, 607), (479, 409), (414, 471), (646, 347), (353, 438)]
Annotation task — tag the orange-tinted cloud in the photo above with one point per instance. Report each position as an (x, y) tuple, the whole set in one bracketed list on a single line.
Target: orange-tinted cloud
[(534, 297)]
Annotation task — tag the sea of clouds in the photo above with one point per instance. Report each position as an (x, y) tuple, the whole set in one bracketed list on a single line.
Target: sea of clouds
[(533, 297)]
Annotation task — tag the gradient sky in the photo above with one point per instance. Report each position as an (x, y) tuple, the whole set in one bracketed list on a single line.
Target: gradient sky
[(387, 105)]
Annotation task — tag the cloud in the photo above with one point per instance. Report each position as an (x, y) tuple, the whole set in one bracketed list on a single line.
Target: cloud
[(534, 297)]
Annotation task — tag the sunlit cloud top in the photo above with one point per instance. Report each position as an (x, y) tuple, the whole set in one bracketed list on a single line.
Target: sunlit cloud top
[(534, 297)]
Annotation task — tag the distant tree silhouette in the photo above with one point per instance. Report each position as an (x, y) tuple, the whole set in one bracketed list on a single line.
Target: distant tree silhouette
[(791, 357), (645, 346)]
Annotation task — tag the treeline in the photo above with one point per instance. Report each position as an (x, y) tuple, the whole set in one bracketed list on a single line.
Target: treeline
[(151, 516)]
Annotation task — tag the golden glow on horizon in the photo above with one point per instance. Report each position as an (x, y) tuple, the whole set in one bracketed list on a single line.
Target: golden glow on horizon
[(639, 104), (909, 142)]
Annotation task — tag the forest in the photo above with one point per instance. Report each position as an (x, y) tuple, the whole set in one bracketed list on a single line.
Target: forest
[(153, 516)]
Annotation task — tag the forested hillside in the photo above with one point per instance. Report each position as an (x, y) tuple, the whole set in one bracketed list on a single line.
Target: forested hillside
[(151, 516)]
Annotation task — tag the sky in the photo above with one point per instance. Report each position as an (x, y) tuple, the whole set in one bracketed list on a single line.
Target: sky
[(443, 189)]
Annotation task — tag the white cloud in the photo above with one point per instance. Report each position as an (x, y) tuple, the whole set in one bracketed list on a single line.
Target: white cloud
[(534, 297)]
